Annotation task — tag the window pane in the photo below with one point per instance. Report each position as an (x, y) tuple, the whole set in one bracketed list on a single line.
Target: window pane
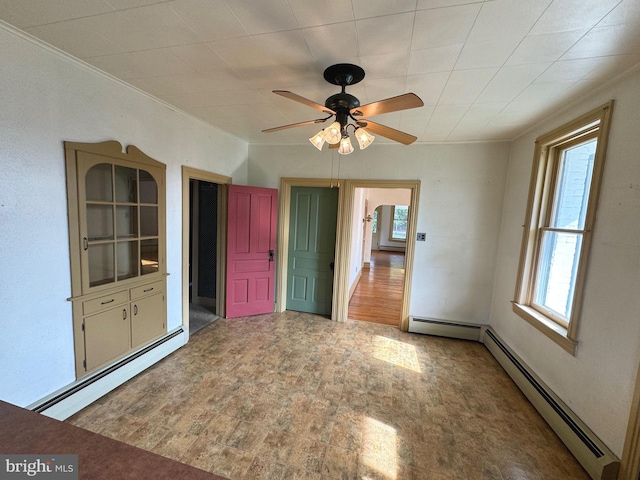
[(127, 260), (101, 264), (126, 221), (149, 256), (148, 188), (98, 183), (99, 222), (148, 221), (374, 227), (572, 188), (557, 270), (400, 215), (126, 184)]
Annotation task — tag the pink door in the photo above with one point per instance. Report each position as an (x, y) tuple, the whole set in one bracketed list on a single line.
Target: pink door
[(251, 246)]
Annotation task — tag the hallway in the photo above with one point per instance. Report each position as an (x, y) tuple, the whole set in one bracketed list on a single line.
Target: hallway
[(378, 296)]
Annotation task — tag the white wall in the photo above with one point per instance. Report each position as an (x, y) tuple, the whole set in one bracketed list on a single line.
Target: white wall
[(46, 98), (357, 235), (460, 208), (598, 382)]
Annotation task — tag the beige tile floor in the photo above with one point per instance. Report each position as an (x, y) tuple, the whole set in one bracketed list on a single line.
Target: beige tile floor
[(296, 396)]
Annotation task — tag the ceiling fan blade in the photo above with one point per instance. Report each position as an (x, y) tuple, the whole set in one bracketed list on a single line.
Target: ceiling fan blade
[(305, 101), (334, 145), (299, 124), (393, 104), (388, 132)]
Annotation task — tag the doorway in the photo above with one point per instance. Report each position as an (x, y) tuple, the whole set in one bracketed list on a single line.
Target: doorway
[(203, 255), (376, 289), (204, 230), (347, 222)]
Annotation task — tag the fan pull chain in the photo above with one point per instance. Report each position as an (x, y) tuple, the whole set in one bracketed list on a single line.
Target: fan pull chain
[(333, 158)]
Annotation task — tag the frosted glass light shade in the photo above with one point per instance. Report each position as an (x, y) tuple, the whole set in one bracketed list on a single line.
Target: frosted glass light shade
[(345, 146), (318, 140), (364, 138), (332, 133)]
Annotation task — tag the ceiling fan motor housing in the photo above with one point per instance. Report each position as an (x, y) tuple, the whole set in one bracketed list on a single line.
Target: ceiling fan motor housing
[(342, 103)]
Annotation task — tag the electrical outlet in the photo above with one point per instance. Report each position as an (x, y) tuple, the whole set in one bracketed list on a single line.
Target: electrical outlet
[(421, 237)]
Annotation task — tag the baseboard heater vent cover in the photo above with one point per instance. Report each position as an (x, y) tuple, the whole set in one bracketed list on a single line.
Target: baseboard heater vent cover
[(445, 328), (73, 398), (593, 455)]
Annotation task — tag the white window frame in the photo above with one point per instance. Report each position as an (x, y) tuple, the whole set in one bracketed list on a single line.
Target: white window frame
[(393, 219), (594, 124)]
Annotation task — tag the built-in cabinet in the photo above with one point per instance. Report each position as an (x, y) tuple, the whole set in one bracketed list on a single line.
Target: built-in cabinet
[(116, 223)]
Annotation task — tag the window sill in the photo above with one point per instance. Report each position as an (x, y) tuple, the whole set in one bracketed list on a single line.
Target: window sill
[(555, 332)]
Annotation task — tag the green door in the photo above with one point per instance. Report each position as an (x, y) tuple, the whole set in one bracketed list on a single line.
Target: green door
[(312, 247)]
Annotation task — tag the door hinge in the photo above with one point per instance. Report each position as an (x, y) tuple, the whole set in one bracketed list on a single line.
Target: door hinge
[(83, 325)]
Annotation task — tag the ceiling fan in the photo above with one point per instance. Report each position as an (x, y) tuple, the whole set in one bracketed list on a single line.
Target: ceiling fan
[(345, 108)]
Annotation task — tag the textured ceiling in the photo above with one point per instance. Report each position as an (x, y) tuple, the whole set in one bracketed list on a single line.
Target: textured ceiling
[(486, 70)]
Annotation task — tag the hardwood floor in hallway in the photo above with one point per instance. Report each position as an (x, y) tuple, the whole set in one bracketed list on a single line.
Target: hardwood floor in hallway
[(378, 296)]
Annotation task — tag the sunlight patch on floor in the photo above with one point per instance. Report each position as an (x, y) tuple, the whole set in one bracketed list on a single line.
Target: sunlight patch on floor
[(379, 449), (397, 353)]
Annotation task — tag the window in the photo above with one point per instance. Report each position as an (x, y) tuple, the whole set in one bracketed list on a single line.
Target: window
[(374, 226), (560, 217), (399, 216)]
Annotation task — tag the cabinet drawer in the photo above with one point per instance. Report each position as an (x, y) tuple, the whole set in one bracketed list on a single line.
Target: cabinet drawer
[(107, 301), (148, 289)]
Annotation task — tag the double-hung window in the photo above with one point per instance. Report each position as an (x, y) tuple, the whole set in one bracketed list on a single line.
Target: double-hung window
[(399, 216), (561, 212)]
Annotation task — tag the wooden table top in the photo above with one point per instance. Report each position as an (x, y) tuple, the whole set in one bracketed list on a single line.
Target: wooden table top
[(99, 457)]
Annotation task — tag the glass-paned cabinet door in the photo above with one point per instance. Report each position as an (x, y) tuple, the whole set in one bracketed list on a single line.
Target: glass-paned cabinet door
[(119, 221)]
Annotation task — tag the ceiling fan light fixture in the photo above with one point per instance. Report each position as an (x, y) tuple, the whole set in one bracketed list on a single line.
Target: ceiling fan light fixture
[(343, 108), (333, 133), (318, 140), (364, 138), (345, 146)]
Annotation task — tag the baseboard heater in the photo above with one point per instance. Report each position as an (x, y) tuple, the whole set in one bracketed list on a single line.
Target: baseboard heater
[(593, 455), (391, 248), (446, 328), (73, 398)]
